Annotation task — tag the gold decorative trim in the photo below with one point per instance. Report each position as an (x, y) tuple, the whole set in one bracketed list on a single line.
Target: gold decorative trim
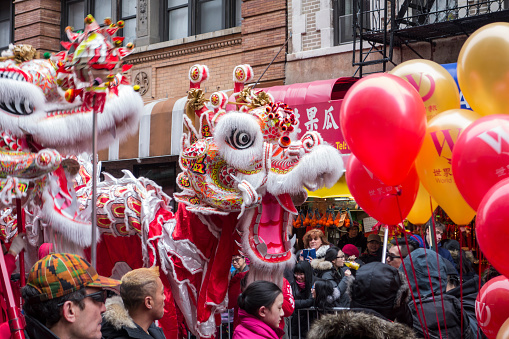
[(184, 51)]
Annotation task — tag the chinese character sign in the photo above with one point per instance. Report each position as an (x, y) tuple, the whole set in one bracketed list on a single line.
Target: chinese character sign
[(323, 118), (435, 85), (481, 157), (434, 162)]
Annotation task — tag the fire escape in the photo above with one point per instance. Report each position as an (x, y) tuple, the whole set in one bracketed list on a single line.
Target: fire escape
[(381, 25)]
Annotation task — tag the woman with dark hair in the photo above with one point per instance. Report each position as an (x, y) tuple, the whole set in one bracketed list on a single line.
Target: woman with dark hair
[(465, 266), (326, 294), (333, 268), (301, 289), (261, 310)]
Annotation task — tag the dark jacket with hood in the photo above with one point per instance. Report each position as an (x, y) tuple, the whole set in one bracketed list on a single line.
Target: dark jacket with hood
[(325, 270), (424, 260), (470, 291), (381, 288), (119, 325), (349, 324)]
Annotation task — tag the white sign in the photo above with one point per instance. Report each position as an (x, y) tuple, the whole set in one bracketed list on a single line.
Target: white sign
[(369, 223)]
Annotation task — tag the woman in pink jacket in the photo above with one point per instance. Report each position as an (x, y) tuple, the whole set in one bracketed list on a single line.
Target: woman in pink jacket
[(260, 311)]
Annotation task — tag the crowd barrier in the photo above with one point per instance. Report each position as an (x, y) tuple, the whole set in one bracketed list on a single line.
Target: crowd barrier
[(225, 330)]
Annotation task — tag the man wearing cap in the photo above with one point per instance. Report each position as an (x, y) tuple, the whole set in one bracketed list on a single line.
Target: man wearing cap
[(141, 302), (373, 251), (64, 298)]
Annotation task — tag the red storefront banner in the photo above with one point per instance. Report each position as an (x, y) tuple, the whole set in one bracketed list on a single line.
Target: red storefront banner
[(317, 105)]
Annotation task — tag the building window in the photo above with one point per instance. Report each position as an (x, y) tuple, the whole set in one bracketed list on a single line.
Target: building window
[(6, 24), (128, 14), (191, 17), (343, 19)]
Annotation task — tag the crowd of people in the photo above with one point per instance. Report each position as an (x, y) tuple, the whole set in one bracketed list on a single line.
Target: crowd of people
[(415, 293)]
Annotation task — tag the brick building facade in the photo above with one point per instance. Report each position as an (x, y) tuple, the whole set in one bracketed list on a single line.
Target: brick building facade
[(170, 36)]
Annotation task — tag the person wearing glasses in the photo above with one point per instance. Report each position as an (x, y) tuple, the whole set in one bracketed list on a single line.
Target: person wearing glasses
[(333, 269), (240, 265), (141, 302), (64, 298), (399, 250)]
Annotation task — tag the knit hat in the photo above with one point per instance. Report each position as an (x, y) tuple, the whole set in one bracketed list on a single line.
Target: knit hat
[(60, 274), (452, 245), (350, 250), (418, 239)]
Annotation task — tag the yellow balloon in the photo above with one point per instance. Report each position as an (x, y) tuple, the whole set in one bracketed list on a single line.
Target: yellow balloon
[(503, 332), (435, 85), (434, 167), (421, 210), (483, 69)]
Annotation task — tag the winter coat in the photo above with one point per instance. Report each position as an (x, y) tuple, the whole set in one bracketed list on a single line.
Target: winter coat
[(452, 307), (119, 325), (384, 289), (34, 329), (325, 270), (251, 327), (423, 261), (349, 324), (301, 301), (470, 291), (367, 257)]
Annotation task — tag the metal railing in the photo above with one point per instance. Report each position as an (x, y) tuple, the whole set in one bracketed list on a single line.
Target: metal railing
[(225, 330)]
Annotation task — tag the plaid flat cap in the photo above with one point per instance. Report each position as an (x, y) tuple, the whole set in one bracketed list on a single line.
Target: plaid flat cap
[(59, 274)]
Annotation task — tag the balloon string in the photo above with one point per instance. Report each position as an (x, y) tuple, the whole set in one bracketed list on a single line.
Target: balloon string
[(433, 295), (461, 277), (425, 327), (438, 265), (479, 257)]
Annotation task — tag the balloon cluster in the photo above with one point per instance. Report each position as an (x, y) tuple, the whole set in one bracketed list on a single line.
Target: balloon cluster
[(413, 147)]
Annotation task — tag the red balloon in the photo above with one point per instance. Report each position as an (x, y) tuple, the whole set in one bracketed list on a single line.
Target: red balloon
[(480, 157), (492, 226), (492, 305), (376, 198), (383, 120)]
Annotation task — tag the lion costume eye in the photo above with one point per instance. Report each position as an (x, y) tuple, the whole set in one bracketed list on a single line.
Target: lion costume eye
[(240, 139)]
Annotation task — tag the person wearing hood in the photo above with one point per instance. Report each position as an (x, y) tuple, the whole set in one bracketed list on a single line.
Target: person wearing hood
[(428, 279), (141, 302), (333, 268), (468, 292), (350, 324), (383, 289), (462, 264)]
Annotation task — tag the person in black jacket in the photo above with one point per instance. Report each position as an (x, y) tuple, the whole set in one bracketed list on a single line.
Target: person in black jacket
[(301, 288), (141, 302), (383, 289), (332, 267), (428, 279), (354, 237)]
